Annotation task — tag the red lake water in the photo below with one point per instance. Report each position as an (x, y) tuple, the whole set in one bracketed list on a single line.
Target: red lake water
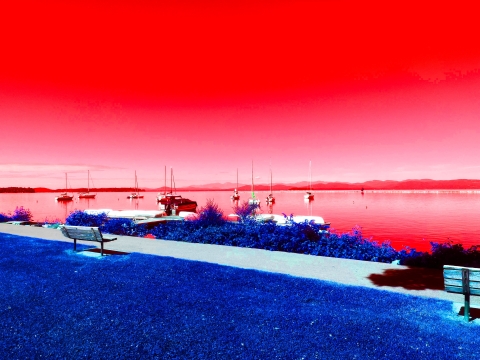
[(404, 218)]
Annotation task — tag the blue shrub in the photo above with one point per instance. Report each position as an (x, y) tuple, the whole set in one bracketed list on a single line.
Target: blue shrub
[(245, 210), (210, 215), (80, 218), (120, 227), (302, 238), (444, 254), (20, 214)]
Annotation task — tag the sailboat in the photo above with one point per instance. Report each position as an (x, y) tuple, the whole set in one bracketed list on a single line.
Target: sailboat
[(64, 196), (309, 195), (173, 204), (270, 197), (136, 194), (235, 195), (253, 200), (87, 195)]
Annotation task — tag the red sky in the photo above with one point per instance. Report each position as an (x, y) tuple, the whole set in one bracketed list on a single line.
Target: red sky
[(364, 89)]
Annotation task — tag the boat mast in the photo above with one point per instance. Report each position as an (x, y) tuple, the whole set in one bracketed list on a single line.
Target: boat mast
[(253, 187), (271, 191), (271, 177), (311, 176)]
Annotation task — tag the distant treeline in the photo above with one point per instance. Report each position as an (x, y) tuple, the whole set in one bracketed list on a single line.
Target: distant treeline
[(123, 189), (16, 190)]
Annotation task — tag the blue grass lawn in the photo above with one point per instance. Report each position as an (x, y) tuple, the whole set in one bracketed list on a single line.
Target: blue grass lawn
[(55, 303)]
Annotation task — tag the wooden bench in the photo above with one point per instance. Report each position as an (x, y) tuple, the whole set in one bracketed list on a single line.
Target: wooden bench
[(86, 233), (462, 280)]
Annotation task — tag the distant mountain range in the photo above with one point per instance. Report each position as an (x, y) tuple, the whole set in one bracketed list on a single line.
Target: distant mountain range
[(423, 184)]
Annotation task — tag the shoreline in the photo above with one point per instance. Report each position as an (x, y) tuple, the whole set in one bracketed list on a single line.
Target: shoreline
[(365, 191)]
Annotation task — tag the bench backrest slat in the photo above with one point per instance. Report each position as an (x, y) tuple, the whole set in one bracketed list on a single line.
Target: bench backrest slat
[(82, 233), (454, 280), (449, 273), (459, 290)]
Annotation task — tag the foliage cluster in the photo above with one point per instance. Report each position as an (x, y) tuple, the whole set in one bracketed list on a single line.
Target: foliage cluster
[(445, 254), (245, 210), (210, 214), (118, 226), (20, 214), (210, 227), (81, 218)]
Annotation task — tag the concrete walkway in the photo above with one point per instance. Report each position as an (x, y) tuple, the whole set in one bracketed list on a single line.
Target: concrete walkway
[(396, 278)]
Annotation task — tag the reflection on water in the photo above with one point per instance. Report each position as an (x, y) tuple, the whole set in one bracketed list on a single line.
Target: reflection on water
[(412, 219), (309, 206)]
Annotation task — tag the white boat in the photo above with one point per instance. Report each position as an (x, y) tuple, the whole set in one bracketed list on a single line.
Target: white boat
[(270, 197), (308, 195), (87, 195), (126, 214), (134, 214), (253, 200), (136, 194), (64, 196), (235, 195)]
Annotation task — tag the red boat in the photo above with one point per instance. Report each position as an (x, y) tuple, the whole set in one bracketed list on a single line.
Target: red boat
[(177, 203)]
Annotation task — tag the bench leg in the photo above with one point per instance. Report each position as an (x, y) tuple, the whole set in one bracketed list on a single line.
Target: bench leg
[(74, 244), (101, 251), (466, 308)]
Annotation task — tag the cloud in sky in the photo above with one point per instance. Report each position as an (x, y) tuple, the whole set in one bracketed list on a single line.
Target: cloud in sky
[(51, 168)]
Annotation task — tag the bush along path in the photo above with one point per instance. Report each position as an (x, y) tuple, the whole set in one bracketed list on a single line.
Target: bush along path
[(20, 214), (211, 227)]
